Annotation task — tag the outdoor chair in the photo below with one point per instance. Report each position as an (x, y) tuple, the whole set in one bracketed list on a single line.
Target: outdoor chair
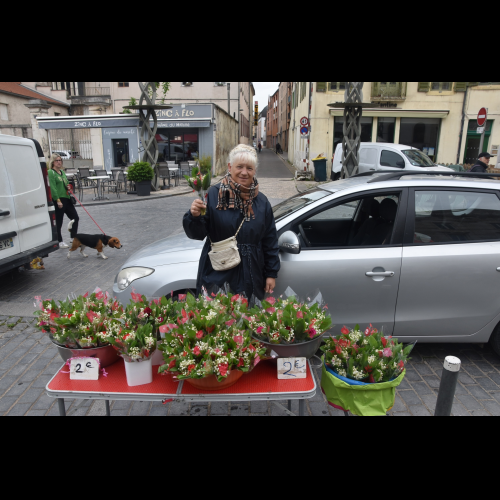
[(174, 171), (81, 187), (116, 183), (83, 173), (164, 173), (185, 168), (100, 172)]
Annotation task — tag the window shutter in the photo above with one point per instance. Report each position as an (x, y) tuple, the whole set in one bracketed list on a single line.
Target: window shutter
[(375, 89), (320, 86), (460, 86), (424, 86)]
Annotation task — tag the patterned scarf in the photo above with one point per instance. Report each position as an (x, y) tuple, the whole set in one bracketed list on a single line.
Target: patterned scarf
[(239, 196)]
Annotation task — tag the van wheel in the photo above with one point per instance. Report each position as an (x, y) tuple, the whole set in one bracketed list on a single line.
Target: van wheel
[(495, 340)]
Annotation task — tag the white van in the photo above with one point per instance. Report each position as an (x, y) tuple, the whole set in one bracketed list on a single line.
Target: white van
[(387, 156), (27, 214)]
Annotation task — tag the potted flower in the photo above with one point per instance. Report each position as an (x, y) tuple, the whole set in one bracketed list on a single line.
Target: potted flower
[(142, 174), (289, 327), (199, 182), (208, 344), (362, 369), (81, 326), (136, 347)]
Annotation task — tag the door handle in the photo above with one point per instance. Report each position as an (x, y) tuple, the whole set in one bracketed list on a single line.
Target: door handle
[(372, 169), (4, 212), (380, 273)]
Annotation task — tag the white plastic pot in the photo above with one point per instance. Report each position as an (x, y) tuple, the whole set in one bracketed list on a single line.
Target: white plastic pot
[(139, 372), (157, 355)]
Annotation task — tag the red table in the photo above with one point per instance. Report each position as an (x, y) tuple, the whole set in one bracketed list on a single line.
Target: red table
[(261, 383)]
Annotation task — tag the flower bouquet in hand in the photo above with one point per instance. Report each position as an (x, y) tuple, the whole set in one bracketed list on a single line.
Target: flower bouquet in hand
[(288, 321), (134, 345), (200, 183), (86, 321), (366, 356), (208, 338)]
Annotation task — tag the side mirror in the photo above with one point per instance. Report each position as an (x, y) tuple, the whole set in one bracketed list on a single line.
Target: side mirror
[(400, 163), (288, 242)]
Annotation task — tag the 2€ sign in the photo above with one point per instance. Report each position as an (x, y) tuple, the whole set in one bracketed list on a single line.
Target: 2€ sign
[(84, 369), (304, 121), (291, 368)]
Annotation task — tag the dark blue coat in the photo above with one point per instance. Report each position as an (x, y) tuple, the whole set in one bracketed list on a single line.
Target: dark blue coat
[(257, 243)]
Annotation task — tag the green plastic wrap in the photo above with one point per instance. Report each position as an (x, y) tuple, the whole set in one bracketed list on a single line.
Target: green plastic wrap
[(363, 400)]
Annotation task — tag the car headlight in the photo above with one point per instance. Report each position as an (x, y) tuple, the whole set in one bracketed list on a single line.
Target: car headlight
[(126, 276)]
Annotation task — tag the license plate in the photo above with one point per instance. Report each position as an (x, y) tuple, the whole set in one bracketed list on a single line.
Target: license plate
[(4, 244)]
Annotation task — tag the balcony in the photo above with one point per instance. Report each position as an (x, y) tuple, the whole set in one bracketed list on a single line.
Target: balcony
[(388, 91), (90, 96), (88, 91)]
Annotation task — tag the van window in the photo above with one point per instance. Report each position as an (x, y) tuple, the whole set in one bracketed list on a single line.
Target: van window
[(21, 164), (368, 155), (391, 159)]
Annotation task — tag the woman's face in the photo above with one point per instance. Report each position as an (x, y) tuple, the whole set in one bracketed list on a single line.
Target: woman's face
[(242, 172), (58, 163)]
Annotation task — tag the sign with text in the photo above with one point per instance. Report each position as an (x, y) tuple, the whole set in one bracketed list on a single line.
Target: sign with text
[(292, 368), (304, 121), (84, 369)]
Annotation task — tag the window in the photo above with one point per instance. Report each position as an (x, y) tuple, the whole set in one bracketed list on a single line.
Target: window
[(440, 86), (187, 84), (420, 133), (220, 84), (336, 86), (123, 84), (388, 90), (4, 113), (320, 86), (366, 130), (385, 129), (361, 221), (391, 159), (417, 158), (456, 216)]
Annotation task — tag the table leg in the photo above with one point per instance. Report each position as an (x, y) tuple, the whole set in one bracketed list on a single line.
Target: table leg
[(62, 408), (108, 411), (301, 407)]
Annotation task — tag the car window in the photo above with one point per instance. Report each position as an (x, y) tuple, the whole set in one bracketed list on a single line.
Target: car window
[(357, 222), (456, 216), (297, 202), (391, 159), (368, 155)]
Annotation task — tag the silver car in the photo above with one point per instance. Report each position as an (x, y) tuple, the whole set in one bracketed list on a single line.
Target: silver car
[(418, 255)]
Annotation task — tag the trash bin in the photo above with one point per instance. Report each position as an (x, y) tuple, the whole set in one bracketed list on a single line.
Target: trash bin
[(319, 168)]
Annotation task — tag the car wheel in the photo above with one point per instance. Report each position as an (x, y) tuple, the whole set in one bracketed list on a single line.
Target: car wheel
[(495, 340), (176, 293)]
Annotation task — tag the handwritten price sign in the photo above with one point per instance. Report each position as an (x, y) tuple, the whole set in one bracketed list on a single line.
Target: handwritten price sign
[(84, 369), (291, 368)]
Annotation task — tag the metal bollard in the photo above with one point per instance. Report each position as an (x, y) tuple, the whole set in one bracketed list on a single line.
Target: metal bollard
[(451, 367)]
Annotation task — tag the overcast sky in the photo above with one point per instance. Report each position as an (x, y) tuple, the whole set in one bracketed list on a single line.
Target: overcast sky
[(262, 91)]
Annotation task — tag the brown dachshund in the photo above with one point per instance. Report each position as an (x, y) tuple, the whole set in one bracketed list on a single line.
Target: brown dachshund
[(97, 241)]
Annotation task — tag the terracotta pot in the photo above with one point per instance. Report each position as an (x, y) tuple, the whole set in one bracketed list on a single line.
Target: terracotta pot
[(210, 383)]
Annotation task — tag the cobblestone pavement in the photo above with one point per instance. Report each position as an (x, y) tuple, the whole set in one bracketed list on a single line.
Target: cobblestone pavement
[(28, 360)]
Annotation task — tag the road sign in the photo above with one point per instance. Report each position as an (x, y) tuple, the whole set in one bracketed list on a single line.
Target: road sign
[(481, 117), (480, 130), (304, 121), (304, 130)]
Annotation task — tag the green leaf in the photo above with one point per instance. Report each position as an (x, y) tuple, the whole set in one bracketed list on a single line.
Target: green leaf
[(373, 341)]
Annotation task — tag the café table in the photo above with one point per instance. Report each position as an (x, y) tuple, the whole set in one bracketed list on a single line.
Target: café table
[(261, 384), (98, 178)]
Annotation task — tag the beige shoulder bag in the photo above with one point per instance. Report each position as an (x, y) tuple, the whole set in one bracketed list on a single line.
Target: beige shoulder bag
[(225, 254)]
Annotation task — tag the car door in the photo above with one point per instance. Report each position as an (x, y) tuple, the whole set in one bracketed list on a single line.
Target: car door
[(451, 260), (367, 159), (9, 238), (358, 283)]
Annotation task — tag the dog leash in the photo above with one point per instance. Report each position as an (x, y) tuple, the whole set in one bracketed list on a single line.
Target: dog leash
[(70, 187)]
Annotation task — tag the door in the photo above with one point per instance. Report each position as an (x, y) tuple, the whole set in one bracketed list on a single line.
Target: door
[(451, 256), (120, 152), (29, 196), (331, 263), (367, 159), (9, 239)]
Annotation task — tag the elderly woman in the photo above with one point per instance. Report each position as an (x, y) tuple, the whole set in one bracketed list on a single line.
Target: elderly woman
[(235, 200)]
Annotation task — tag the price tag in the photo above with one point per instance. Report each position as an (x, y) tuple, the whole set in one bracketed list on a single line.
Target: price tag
[(292, 368), (84, 369)]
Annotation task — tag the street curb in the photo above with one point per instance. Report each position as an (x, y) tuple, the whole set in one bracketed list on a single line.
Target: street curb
[(304, 185)]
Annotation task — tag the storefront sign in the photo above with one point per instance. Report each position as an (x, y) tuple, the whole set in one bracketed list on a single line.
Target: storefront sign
[(188, 111), (100, 122), (291, 368), (175, 124)]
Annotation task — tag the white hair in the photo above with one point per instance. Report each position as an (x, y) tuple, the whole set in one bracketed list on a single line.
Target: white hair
[(245, 153)]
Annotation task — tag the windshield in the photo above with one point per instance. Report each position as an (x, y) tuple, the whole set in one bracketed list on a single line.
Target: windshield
[(297, 202), (417, 158)]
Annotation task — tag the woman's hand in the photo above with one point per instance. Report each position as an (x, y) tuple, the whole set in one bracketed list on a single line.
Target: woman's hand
[(196, 207), (59, 204), (270, 284)]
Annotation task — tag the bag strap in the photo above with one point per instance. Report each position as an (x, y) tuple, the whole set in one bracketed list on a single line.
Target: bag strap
[(211, 242)]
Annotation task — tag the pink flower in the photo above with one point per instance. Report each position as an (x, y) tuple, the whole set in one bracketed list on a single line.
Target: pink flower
[(223, 369), (256, 360), (238, 339), (199, 334), (230, 322), (259, 330), (136, 297), (195, 182), (99, 295), (182, 296), (271, 300), (344, 330), (300, 314), (312, 332), (196, 350), (270, 310), (86, 295), (387, 352)]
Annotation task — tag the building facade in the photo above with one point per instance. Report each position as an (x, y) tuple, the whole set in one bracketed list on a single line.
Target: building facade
[(284, 107), (438, 118), (261, 127), (272, 120)]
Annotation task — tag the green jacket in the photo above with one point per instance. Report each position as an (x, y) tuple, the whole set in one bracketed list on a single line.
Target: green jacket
[(58, 185)]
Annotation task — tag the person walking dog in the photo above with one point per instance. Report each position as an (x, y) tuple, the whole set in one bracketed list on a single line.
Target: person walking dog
[(236, 207), (481, 164), (59, 189)]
